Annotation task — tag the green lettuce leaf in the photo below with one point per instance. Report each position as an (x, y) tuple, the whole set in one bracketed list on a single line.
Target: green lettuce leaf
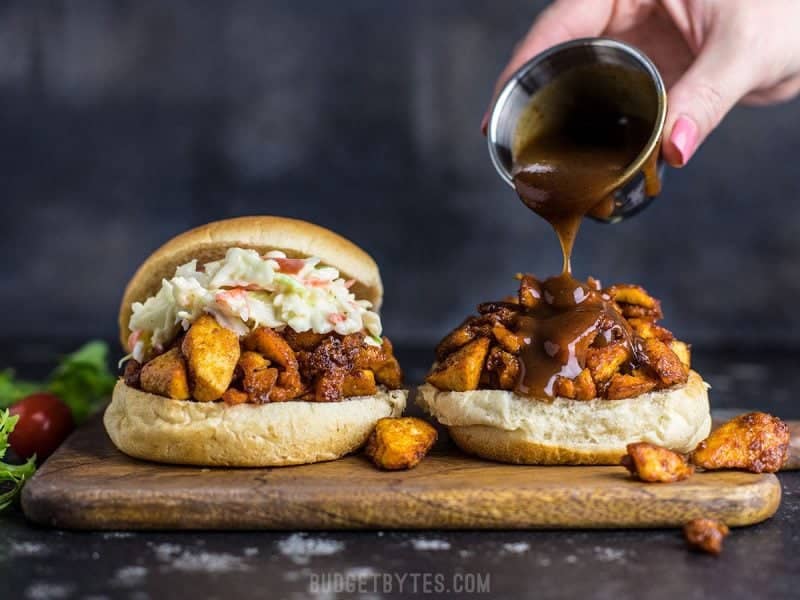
[(82, 380), (12, 477), (12, 389)]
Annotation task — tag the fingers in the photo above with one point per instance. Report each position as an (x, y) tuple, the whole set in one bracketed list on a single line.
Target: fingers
[(698, 101), (561, 21), (781, 92)]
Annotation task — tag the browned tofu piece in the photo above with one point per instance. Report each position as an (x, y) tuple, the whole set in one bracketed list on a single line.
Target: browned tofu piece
[(289, 387), (666, 364), (232, 396), (635, 302), (655, 464), (505, 367), (705, 535), (647, 328), (389, 373), (585, 388), (329, 386), (459, 337), (461, 371), (382, 362), (510, 341), (605, 361), (496, 312), (683, 351), (633, 311), (211, 352), (530, 290), (258, 379), (132, 373), (629, 386), (564, 388), (337, 352), (165, 375), (360, 382), (399, 443), (632, 294), (272, 346), (304, 341), (755, 442)]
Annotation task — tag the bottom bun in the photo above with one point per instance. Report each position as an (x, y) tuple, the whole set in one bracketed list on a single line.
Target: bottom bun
[(155, 428), (503, 426)]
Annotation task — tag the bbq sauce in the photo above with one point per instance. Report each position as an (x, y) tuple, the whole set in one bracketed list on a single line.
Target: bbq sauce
[(573, 144)]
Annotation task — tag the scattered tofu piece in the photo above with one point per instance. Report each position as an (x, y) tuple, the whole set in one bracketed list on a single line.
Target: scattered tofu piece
[(705, 535), (755, 442), (655, 464), (400, 443)]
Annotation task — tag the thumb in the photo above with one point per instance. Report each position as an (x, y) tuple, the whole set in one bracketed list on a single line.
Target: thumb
[(698, 101)]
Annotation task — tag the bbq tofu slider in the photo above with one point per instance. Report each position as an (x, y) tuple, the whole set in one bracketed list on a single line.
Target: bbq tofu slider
[(544, 379), (253, 342)]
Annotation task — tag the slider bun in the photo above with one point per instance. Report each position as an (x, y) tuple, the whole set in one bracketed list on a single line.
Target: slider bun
[(298, 239), (246, 435), (503, 426)]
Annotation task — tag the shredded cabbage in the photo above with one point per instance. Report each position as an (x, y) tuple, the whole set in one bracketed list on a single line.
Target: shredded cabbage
[(245, 290)]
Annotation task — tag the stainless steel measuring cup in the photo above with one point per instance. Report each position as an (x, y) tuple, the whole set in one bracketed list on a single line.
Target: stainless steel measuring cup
[(633, 191)]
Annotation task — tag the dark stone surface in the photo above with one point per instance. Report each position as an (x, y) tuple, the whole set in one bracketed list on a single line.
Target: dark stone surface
[(124, 123), (757, 562)]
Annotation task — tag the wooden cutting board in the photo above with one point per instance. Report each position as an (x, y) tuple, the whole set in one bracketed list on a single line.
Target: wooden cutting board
[(88, 484)]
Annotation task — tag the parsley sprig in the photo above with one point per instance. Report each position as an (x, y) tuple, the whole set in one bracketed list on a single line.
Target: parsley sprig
[(12, 477)]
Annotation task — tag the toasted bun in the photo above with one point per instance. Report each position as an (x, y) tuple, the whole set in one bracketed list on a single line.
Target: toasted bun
[(503, 426), (160, 429), (207, 243)]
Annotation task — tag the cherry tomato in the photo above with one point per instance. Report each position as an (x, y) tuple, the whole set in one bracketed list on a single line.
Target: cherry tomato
[(44, 422)]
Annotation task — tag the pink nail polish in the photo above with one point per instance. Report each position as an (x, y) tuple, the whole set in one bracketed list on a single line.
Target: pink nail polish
[(684, 138)]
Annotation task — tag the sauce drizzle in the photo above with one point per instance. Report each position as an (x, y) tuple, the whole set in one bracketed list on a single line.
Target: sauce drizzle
[(573, 145)]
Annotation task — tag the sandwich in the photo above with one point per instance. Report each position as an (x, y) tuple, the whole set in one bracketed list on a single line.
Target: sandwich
[(253, 342), (527, 382)]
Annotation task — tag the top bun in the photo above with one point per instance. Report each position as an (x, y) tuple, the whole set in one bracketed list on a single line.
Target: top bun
[(298, 239)]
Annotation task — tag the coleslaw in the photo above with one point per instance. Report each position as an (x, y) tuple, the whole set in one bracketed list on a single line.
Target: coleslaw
[(246, 290)]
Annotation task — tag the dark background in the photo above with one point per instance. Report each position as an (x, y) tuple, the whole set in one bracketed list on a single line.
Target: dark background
[(124, 123)]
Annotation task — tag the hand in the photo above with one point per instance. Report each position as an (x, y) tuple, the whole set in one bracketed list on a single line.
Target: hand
[(711, 54)]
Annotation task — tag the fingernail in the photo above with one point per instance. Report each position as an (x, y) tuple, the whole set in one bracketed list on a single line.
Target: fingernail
[(485, 123), (684, 138)]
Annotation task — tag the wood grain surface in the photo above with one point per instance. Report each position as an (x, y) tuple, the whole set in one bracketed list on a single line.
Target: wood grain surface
[(88, 484), (794, 447)]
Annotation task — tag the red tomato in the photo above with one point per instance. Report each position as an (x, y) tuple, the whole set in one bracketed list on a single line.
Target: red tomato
[(44, 422)]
